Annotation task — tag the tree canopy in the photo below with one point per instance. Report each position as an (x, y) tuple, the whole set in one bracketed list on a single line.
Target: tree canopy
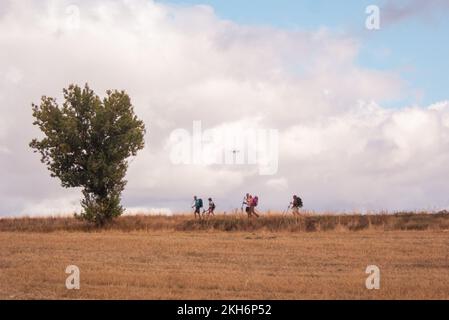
[(86, 144)]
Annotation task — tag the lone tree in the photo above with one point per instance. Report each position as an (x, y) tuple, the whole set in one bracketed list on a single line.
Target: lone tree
[(86, 144)]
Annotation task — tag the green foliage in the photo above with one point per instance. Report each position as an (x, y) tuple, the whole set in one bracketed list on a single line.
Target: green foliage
[(86, 144)]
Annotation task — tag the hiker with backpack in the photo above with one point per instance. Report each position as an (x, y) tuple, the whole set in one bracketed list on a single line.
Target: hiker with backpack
[(197, 204), (252, 208), (247, 200), (211, 209), (296, 204)]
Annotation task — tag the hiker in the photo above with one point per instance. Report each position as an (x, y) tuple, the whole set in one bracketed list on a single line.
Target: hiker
[(211, 209), (296, 204), (247, 200), (197, 204), (252, 208)]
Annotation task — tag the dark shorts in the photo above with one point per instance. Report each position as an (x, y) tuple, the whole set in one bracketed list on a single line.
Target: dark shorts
[(197, 209)]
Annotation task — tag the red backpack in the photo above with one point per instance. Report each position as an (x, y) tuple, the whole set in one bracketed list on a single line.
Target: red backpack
[(255, 201)]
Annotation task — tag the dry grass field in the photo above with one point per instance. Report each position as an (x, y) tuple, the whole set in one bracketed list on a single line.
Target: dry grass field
[(228, 257)]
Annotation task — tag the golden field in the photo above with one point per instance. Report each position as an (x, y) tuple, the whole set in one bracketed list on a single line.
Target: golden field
[(227, 257)]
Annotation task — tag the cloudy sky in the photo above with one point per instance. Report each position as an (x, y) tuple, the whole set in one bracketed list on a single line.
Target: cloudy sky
[(362, 115)]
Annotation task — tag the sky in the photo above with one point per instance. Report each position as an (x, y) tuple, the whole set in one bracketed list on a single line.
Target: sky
[(360, 118), (412, 40)]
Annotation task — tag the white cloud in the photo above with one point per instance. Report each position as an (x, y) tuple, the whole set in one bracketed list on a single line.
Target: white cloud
[(181, 64), (373, 157), (278, 184), (61, 206), (132, 211)]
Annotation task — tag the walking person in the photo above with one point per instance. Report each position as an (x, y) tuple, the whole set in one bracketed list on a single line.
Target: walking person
[(252, 209), (197, 205), (296, 205), (247, 201), (211, 209)]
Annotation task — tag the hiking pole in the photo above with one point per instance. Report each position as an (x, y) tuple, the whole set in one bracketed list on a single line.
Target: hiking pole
[(243, 203), (286, 211)]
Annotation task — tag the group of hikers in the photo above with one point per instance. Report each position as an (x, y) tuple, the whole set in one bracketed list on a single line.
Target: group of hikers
[(198, 205), (249, 202)]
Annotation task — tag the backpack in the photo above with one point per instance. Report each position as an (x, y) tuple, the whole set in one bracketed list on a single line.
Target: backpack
[(298, 202), (200, 203), (255, 201), (212, 206)]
